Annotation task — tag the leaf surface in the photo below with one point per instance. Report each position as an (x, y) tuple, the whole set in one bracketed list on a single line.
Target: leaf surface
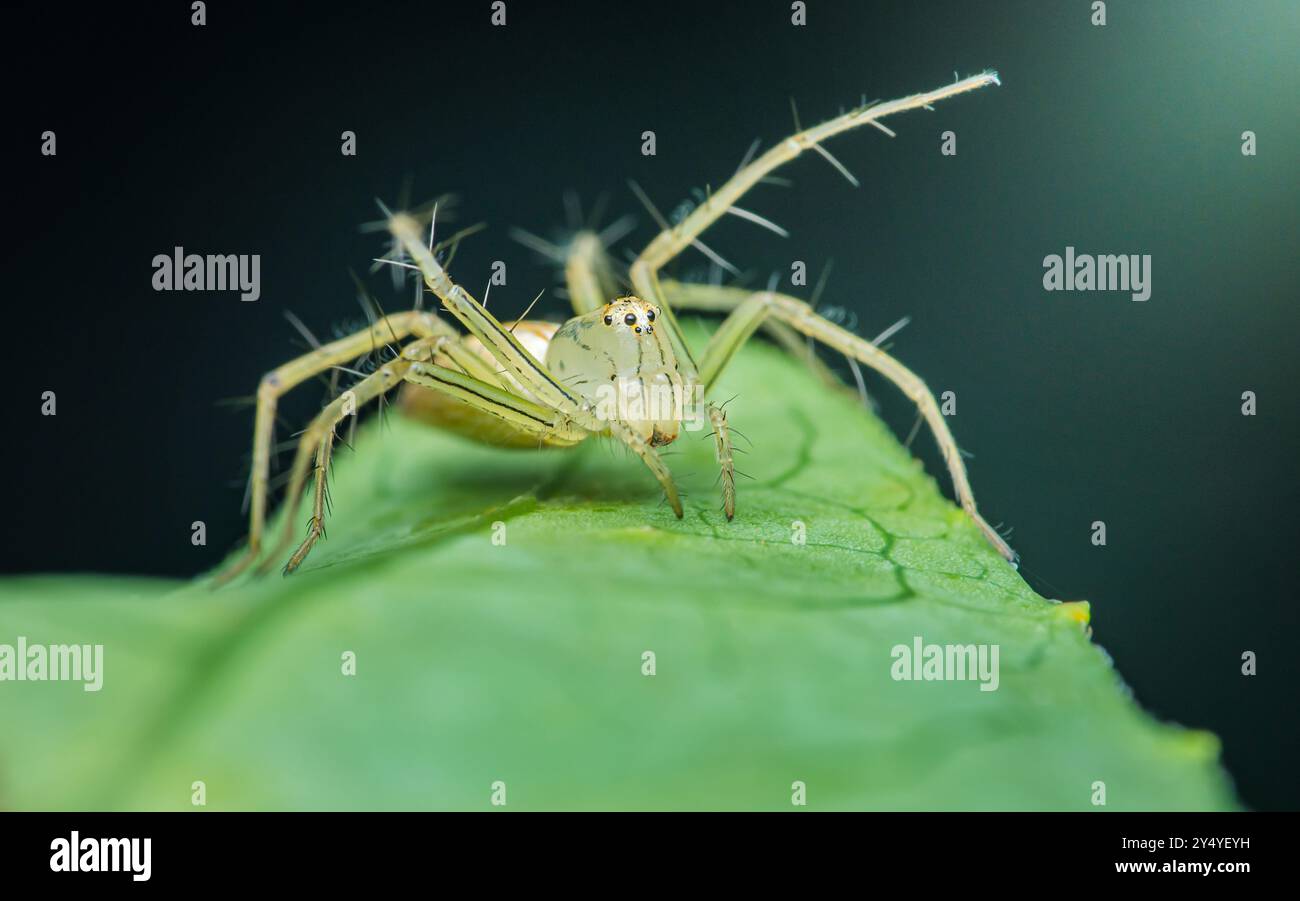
[(522, 662)]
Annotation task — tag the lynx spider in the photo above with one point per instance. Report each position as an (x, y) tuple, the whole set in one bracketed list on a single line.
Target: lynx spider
[(532, 383)]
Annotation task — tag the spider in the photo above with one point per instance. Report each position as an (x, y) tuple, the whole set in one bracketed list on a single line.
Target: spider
[(619, 368)]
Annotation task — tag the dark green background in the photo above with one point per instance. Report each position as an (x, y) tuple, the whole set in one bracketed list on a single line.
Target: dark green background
[(1077, 407)]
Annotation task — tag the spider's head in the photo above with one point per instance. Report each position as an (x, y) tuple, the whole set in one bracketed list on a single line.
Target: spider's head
[(617, 358), (631, 314)]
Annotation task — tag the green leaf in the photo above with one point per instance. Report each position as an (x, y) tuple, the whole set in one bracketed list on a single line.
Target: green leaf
[(522, 663)]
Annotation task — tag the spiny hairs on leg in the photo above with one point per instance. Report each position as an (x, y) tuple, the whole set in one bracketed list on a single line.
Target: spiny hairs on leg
[(726, 461), (749, 310), (673, 239)]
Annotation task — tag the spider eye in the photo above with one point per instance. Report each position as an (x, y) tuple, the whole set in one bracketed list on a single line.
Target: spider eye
[(650, 314), (630, 318), (609, 320)]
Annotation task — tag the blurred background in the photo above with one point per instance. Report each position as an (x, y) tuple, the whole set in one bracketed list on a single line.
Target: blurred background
[(1077, 407)]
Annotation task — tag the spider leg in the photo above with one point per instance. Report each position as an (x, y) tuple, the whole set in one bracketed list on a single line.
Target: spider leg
[(390, 329), (589, 274), (652, 460), (316, 528), (644, 272), (415, 366), (722, 440), (526, 415), (322, 429), (725, 298), (499, 340), (746, 318)]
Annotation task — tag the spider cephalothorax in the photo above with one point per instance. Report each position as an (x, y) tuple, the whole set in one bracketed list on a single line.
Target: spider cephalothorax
[(619, 368), (616, 360)]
